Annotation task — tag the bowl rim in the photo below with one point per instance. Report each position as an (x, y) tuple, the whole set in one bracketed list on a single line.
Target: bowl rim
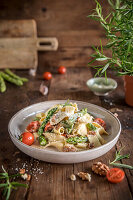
[(96, 78), (57, 152)]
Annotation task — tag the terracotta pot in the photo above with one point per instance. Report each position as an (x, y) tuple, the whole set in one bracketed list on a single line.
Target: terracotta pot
[(128, 84)]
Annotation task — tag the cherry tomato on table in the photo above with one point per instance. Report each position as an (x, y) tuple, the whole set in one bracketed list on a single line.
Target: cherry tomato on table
[(62, 70), (47, 75), (27, 138), (100, 122), (115, 175), (33, 127)]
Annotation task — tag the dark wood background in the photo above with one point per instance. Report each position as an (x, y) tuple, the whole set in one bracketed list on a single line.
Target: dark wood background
[(67, 21)]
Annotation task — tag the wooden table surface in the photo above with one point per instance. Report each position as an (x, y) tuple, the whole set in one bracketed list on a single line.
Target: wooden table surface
[(67, 21)]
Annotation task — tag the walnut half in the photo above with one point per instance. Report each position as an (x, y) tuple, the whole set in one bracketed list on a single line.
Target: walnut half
[(100, 168), (84, 176)]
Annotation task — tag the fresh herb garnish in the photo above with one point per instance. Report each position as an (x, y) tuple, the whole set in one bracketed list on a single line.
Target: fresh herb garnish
[(49, 115), (8, 186), (67, 103), (91, 127), (118, 157), (83, 111), (37, 119), (118, 25), (76, 139)]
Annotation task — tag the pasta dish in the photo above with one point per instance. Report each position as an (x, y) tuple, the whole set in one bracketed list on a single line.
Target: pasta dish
[(65, 128)]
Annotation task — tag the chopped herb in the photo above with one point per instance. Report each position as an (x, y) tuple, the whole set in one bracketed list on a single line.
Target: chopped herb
[(118, 157), (91, 127), (76, 139), (83, 111), (36, 119)]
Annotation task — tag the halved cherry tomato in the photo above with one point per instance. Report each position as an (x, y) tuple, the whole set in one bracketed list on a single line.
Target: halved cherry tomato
[(47, 75), (62, 70), (48, 127), (115, 175), (100, 122), (27, 138), (33, 127)]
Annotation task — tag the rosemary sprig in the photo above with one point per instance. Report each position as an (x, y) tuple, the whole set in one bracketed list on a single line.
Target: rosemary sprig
[(8, 186), (118, 157), (118, 27)]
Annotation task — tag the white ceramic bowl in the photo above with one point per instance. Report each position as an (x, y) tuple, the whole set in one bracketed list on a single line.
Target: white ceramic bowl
[(20, 120), (101, 90)]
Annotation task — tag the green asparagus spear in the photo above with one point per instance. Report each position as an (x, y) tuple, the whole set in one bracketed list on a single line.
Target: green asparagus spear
[(76, 139), (10, 73), (42, 140), (91, 127), (11, 79), (2, 84), (49, 115)]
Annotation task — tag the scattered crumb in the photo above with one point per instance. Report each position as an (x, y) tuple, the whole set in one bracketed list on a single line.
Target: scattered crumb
[(73, 177), (43, 89), (18, 159), (115, 114), (33, 168), (84, 176)]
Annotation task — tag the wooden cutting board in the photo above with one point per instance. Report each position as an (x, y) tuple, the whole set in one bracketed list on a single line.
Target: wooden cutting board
[(19, 44)]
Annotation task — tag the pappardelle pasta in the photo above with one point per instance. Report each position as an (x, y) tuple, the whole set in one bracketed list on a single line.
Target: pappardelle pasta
[(66, 128)]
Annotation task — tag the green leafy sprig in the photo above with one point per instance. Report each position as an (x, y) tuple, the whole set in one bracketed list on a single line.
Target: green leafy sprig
[(8, 186), (118, 157), (118, 27)]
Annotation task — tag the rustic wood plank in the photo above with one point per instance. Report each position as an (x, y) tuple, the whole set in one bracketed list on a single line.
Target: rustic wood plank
[(75, 38), (51, 15), (17, 28), (72, 85)]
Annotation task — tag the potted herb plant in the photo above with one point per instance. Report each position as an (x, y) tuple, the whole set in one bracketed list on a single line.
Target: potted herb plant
[(118, 25)]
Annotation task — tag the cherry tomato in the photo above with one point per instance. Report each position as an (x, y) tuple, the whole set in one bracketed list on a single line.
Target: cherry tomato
[(62, 70), (27, 138), (100, 122), (115, 175), (33, 127), (48, 127), (47, 75)]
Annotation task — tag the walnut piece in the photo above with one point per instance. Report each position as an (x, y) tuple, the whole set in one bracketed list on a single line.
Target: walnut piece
[(73, 177), (24, 175), (22, 171), (100, 168), (84, 176), (28, 177)]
